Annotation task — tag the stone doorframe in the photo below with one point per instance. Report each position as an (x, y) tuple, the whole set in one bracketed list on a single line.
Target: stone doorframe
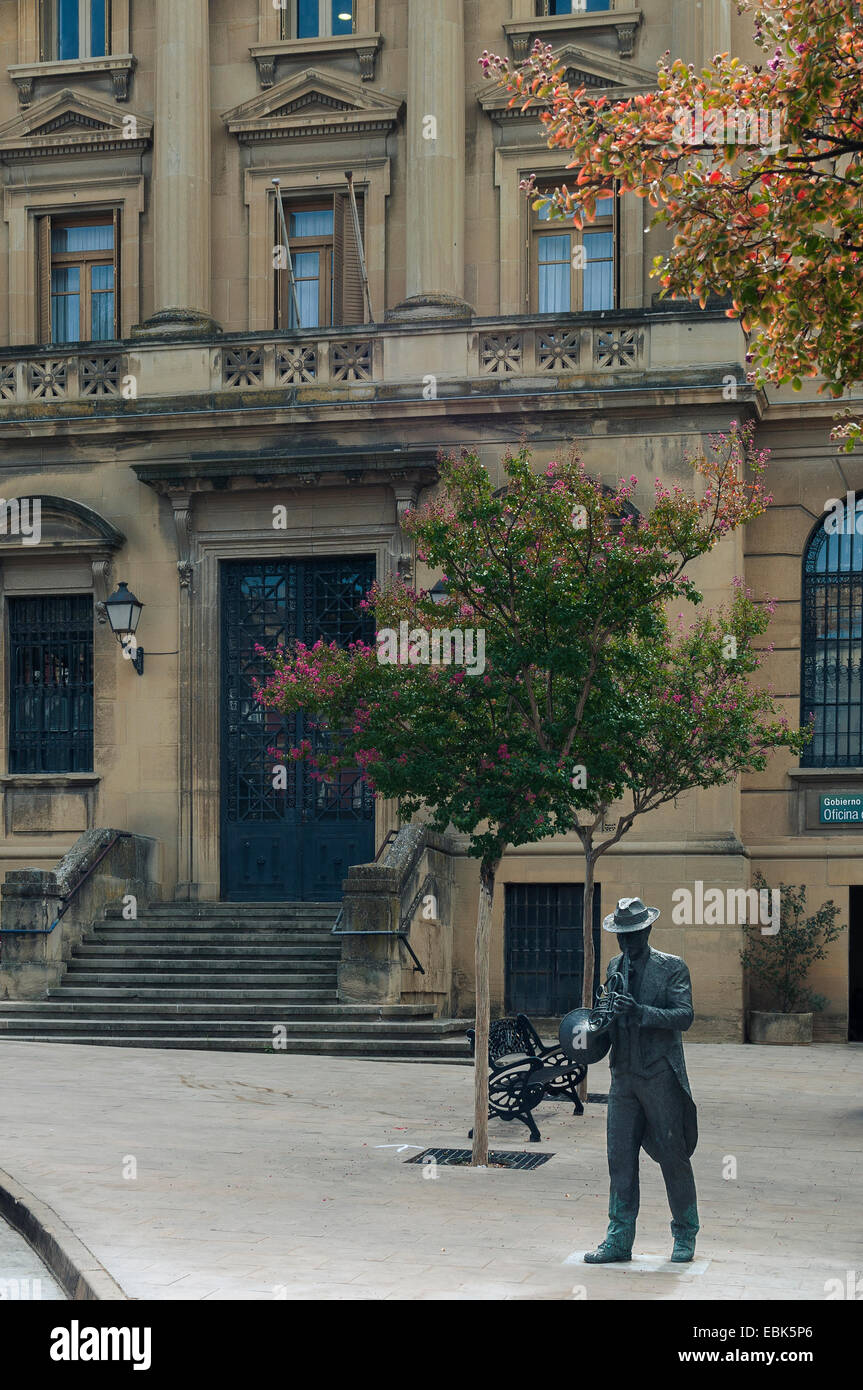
[(200, 553)]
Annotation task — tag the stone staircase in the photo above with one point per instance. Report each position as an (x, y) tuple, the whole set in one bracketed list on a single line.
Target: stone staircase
[(224, 976)]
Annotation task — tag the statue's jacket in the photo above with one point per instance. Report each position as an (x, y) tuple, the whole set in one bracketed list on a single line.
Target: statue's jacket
[(666, 1013)]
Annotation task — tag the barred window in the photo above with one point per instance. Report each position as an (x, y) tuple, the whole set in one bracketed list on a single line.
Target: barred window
[(833, 641), (51, 684)]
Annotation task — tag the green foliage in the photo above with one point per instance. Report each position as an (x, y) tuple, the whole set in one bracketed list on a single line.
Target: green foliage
[(781, 963)]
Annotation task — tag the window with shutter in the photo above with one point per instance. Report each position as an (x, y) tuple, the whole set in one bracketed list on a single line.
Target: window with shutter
[(348, 295), (326, 264)]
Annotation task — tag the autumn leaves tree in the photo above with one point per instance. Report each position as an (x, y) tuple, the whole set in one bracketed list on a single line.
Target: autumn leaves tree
[(757, 169)]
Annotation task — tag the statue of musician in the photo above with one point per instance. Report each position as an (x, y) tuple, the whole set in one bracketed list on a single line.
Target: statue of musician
[(649, 1104)]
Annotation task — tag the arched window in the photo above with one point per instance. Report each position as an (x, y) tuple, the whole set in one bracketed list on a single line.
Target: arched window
[(833, 640)]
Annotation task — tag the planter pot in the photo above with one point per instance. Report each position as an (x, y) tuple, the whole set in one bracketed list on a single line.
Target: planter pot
[(789, 1030)]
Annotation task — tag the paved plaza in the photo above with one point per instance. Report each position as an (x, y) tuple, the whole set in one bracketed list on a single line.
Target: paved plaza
[(196, 1175)]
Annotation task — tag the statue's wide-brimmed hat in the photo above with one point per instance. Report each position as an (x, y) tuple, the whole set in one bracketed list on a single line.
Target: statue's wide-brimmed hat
[(630, 915)]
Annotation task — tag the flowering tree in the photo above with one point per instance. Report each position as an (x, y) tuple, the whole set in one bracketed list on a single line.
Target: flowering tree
[(509, 746), (756, 168)]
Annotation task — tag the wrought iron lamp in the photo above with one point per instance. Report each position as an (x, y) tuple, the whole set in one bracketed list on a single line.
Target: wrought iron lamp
[(440, 592), (124, 612)]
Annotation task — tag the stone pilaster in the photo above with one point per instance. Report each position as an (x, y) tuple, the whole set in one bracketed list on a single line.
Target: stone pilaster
[(181, 170), (435, 162), (701, 29)]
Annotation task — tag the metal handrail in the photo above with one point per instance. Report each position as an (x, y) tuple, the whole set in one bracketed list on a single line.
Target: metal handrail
[(401, 934), (387, 840), (67, 900)]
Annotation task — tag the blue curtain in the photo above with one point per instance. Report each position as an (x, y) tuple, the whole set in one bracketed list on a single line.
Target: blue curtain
[(96, 238), (314, 222), (66, 304), (598, 271), (102, 302), (307, 277), (554, 283)]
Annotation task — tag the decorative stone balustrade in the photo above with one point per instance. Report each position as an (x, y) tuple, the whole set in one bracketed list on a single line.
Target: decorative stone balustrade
[(315, 364)]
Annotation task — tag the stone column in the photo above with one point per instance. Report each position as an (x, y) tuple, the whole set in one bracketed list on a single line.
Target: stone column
[(701, 29), (435, 162), (181, 170)]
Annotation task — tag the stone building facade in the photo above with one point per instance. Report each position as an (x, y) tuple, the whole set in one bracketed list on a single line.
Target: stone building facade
[(242, 456)]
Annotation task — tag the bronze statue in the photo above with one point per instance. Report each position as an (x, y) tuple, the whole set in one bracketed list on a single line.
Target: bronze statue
[(646, 1005)]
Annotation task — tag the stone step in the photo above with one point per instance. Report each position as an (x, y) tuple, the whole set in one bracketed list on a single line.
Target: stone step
[(142, 934), (88, 948), (398, 1050), (244, 912), (151, 994), (309, 979), (40, 1009), (295, 982), (261, 1023)]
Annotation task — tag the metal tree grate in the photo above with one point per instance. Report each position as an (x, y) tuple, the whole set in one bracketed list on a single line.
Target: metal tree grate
[(460, 1158)]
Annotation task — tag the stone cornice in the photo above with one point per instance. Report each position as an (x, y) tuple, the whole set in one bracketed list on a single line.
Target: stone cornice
[(268, 55), (314, 468), (119, 67), (522, 32)]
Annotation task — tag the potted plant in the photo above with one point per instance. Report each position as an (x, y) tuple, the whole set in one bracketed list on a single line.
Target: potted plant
[(779, 965)]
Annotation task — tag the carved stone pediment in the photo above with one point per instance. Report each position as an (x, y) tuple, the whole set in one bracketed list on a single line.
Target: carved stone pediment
[(41, 525), (583, 67), (64, 525), (312, 103), (69, 123)]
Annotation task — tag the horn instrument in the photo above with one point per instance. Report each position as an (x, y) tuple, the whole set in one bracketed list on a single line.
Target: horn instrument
[(584, 1034)]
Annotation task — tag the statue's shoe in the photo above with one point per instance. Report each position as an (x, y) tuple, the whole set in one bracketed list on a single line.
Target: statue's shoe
[(608, 1254), (683, 1252)]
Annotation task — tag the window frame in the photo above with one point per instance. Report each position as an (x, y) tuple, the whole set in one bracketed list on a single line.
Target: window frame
[(543, 9), (323, 245), (289, 21), (842, 589), (49, 37), (85, 260), (539, 226)]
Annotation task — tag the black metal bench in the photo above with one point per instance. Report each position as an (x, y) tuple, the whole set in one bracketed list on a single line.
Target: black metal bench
[(522, 1071)]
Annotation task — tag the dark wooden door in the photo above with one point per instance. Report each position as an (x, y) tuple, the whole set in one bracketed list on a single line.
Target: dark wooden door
[(544, 950), (295, 843)]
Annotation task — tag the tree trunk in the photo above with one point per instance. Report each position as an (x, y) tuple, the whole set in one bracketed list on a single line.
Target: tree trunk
[(587, 929), (488, 869), (587, 938)]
